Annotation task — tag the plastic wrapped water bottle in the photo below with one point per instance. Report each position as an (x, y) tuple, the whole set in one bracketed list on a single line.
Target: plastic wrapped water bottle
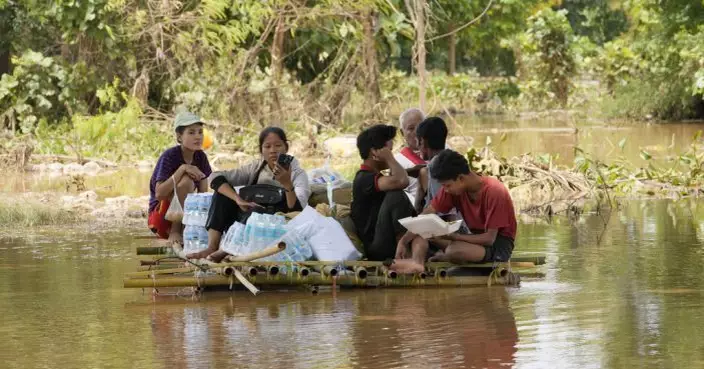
[(190, 237), (205, 207), (188, 206), (202, 238)]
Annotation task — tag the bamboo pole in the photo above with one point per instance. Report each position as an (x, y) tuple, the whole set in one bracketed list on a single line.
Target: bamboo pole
[(303, 271), (273, 270), (245, 282), (329, 271), (250, 271), (154, 250), (360, 272), (324, 267), (389, 273), (147, 268), (370, 281), (280, 246)]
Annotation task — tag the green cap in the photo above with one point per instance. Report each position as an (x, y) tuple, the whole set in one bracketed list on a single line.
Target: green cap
[(186, 119)]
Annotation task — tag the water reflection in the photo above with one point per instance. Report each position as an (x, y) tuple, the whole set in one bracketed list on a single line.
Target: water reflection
[(621, 290), (381, 329)]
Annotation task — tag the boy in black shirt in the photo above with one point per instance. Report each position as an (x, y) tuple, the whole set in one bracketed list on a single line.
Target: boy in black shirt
[(378, 200)]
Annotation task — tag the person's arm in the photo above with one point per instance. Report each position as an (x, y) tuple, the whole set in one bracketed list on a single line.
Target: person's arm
[(285, 177), (203, 185), (422, 189), (226, 190), (398, 179), (415, 170), (485, 239), (207, 171), (164, 189)]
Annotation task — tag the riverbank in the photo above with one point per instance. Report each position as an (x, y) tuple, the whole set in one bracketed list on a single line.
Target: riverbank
[(552, 167)]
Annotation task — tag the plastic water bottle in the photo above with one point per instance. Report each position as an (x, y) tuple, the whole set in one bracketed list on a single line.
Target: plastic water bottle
[(330, 193), (205, 206), (189, 238), (202, 238), (188, 210)]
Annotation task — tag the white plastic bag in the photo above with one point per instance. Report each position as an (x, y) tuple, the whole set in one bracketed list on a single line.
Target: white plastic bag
[(175, 211), (325, 235)]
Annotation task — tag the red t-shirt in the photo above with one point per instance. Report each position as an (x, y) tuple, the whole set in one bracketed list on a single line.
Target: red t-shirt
[(492, 209)]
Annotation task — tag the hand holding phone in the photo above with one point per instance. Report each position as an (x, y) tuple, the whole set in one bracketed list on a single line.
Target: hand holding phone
[(284, 160)]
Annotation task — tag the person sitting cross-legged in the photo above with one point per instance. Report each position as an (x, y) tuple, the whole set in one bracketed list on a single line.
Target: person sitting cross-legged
[(486, 208)]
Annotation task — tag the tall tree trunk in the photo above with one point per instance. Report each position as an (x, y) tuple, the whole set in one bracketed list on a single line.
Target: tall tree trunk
[(420, 49), (372, 90), (5, 66), (277, 65), (451, 53)]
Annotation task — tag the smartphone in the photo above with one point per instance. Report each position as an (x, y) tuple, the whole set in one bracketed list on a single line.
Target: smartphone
[(284, 160)]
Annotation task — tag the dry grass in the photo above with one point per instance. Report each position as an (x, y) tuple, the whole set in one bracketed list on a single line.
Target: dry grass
[(537, 188), (30, 214)]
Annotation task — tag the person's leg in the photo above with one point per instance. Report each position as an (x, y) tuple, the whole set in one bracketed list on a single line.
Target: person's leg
[(416, 262), (183, 188), (500, 251), (459, 252), (222, 214), (387, 231)]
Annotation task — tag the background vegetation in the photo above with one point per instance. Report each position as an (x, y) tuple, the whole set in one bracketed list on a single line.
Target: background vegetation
[(77, 77)]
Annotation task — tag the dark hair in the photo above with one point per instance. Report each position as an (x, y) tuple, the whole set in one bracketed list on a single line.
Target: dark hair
[(269, 130), (434, 131), (448, 165), (181, 129), (374, 137)]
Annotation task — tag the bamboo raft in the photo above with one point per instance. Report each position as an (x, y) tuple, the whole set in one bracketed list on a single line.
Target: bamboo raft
[(163, 267)]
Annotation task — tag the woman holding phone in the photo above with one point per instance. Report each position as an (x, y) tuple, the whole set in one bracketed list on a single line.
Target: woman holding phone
[(274, 167)]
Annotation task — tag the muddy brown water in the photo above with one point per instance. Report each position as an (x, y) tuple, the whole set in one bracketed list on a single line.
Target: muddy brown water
[(621, 289), (626, 294)]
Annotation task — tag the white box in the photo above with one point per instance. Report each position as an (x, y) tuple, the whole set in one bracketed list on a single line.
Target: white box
[(430, 225)]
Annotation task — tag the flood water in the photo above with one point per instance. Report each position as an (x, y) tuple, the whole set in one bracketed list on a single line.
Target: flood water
[(621, 289)]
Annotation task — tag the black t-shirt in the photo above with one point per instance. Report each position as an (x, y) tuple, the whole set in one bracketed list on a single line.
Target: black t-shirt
[(366, 202)]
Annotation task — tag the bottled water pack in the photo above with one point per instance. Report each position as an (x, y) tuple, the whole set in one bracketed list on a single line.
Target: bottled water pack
[(264, 230), (195, 208), (195, 215)]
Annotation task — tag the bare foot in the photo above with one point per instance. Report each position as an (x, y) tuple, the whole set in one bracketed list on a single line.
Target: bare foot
[(175, 237), (407, 266), (200, 254), (217, 256)]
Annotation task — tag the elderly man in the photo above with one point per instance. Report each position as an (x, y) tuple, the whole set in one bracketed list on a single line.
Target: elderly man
[(409, 155)]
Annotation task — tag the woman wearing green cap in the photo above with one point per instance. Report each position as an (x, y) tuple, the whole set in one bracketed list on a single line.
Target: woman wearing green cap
[(182, 168)]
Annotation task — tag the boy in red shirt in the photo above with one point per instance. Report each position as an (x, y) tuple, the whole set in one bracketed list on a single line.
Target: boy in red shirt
[(486, 207)]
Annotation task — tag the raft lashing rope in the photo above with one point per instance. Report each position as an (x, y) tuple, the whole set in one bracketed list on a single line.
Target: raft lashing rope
[(164, 269)]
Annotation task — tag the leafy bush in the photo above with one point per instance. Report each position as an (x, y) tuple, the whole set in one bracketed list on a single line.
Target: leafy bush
[(38, 88), (546, 58)]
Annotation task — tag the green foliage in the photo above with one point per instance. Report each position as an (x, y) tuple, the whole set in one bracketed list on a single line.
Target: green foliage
[(595, 19), (681, 174), (547, 58), (656, 69), (38, 88), (460, 91), (119, 136), (123, 133)]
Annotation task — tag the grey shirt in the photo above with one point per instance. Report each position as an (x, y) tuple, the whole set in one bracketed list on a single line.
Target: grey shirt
[(433, 185), (245, 175)]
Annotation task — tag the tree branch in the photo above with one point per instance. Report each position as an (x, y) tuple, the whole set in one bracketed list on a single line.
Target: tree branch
[(465, 25)]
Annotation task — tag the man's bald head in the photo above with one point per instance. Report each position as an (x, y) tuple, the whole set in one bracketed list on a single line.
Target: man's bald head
[(409, 120)]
